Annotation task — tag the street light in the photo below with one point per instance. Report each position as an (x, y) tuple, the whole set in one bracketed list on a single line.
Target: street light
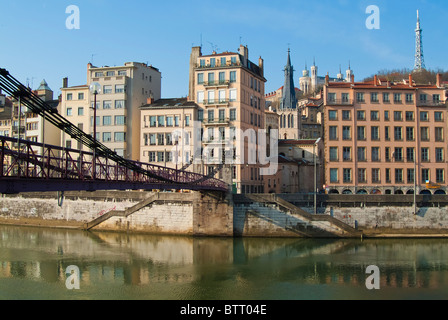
[(315, 174), (95, 89)]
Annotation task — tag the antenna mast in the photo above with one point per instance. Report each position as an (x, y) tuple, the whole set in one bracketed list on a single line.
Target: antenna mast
[(419, 59)]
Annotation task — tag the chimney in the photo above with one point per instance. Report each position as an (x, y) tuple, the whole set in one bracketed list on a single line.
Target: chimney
[(439, 80), (410, 80), (150, 100), (352, 78), (327, 79), (196, 52), (261, 65), (375, 80), (65, 83)]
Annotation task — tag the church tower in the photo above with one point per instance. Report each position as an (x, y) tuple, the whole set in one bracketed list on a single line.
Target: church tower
[(289, 100), (314, 76)]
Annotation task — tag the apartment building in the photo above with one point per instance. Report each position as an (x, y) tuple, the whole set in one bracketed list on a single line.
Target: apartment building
[(385, 138), (229, 91), (33, 127), (169, 132), (311, 114), (124, 89)]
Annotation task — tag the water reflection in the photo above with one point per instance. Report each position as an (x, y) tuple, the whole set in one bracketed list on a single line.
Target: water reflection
[(121, 266)]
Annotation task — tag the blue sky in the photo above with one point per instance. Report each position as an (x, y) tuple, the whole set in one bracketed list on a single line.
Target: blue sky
[(37, 45)]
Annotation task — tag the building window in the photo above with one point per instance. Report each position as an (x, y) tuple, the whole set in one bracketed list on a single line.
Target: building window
[(169, 121), (160, 156), (119, 88), (440, 175), (387, 133), (69, 112), (376, 178), (398, 154), (386, 115), (232, 95), (386, 98), (120, 136), (69, 96), (122, 73), (161, 121), (345, 97), (423, 97), (360, 97), (232, 76), (398, 116), (107, 104), (397, 97), (107, 120), (212, 62), (332, 97), (107, 89), (409, 115), (200, 78), (425, 154), (374, 97), (436, 98), (334, 154), (333, 133), (438, 116), (347, 153), (211, 116), (362, 177), (153, 121), (375, 133), (346, 115), (334, 178), (424, 134), (333, 115), (201, 96), (120, 120), (81, 96), (152, 156), (411, 175), (119, 104), (361, 115), (410, 154), (409, 98), (424, 116), (361, 133), (399, 176), (152, 139), (232, 114), (388, 177), (107, 137), (375, 154), (346, 133), (425, 175), (160, 139), (347, 173), (409, 133), (222, 77), (439, 134), (362, 154), (374, 115), (211, 78), (440, 155), (80, 111), (398, 133)]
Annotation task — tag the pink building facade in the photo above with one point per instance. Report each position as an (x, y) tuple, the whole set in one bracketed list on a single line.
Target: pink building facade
[(385, 138)]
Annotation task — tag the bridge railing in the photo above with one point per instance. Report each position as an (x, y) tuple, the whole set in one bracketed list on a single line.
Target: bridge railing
[(32, 160)]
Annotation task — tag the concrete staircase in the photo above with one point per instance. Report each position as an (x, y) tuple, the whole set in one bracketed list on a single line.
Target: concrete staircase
[(121, 213), (346, 230)]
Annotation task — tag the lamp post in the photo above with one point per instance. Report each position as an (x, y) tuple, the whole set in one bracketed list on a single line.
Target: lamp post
[(95, 89), (315, 174)]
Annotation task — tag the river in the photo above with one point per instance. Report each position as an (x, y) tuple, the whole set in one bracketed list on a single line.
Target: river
[(114, 266)]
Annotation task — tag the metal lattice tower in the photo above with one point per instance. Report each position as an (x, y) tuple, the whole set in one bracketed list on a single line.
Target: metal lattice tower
[(419, 59)]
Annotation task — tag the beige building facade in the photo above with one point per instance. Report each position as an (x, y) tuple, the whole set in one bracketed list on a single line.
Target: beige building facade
[(124, 89), (229, 91), (383, 137)]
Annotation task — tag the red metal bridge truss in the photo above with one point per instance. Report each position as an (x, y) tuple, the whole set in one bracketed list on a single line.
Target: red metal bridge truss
[(27, 166)]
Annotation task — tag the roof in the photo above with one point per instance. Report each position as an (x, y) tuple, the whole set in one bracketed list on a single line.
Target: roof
[(170, 104), (44, 86), (6, 113)]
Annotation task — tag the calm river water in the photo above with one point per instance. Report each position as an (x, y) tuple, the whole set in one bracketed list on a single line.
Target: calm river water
[(34, 261)]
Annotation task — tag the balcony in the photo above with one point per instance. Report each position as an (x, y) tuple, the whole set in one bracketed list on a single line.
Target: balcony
[(339, 102), (217, 122), (218, 65), (216, 102), (216, 84), (427, 103)]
